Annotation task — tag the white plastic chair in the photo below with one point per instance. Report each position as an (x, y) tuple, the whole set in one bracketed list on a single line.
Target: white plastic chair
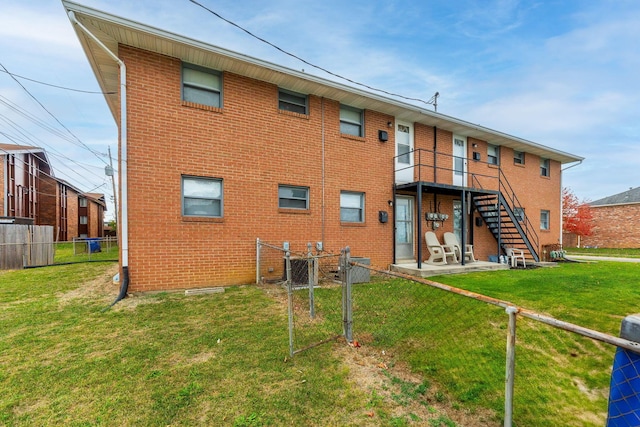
[(450, 239), (439, 253), (514, 254)]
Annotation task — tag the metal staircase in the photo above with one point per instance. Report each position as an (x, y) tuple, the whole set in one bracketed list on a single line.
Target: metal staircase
[(509, 229)]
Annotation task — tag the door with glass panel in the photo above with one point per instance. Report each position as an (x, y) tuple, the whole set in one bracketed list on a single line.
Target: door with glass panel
[(404, 157), (460, 161), (404, 229)]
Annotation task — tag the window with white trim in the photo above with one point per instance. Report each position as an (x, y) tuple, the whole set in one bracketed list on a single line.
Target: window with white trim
[(202, 197), (519, 214), (544, 167), (518, 157), (292, 197), (493, 154), (82, 202), (201, 85), (293, 101), (351, 120), (351, 206), (544, 220), (84, 220)]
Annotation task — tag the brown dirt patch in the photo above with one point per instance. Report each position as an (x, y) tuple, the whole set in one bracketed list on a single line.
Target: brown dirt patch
[(378, 373), (102, 287)]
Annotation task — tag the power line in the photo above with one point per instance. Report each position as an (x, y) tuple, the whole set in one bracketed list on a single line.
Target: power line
[(56, 86), (432, 101), (28, 139), (40, 171), (52, 115)]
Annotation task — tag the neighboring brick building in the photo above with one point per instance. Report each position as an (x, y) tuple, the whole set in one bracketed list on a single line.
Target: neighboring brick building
[(223, 149), (616, 221), (31, 191)]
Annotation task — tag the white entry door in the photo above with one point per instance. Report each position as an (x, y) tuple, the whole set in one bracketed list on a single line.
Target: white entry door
[(404, 156), (460, 160), (404, 228)]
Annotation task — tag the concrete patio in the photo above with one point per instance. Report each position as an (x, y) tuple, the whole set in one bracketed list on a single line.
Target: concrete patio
[(428, 270)]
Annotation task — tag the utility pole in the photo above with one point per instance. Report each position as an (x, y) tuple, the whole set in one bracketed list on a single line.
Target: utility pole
[(109, 172)]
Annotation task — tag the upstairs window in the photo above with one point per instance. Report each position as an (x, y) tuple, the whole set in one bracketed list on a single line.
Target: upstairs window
[(544, 167), (290, 197), (84, 220), (351, 206), (82, 202), (493, 154), (201, 85), (293, 101), (518, 157), (201, 197), (351, 121)]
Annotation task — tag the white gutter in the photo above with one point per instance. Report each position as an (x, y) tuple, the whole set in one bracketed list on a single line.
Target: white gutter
[(561, 240), (124, 223)]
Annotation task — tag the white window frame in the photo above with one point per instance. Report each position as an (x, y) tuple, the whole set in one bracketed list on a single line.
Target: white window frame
[(545, 165), (82, 202), (200, 88), (282, 196), (294, 102), (217, 200), (84, 220), (518, 157), (347, 123), (545, 218), (493, 154), (519, 214), (346, 206)]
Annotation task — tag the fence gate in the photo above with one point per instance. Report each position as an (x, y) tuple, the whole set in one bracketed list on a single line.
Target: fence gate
[(310, 281)]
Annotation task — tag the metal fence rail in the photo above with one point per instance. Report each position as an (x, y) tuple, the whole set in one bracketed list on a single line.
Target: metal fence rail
[(554, 370)]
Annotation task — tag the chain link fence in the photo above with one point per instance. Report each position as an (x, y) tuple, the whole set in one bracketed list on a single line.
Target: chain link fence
[(309, 282), (461, 345)]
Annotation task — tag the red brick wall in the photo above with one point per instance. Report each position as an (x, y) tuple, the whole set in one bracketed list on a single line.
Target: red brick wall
[(253, 147), (615, 227), (95, 219), (3, 167), (72, 214), (47, 202)]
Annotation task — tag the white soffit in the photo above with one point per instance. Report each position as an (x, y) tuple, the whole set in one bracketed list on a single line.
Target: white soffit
[(113, 31)]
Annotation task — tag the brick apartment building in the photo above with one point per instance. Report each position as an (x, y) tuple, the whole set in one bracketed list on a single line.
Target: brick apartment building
[(616, 221), (223, 149), (32, 194)]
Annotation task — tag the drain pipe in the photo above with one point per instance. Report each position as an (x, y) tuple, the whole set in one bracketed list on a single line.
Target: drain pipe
[(561, 239), (124, 223)]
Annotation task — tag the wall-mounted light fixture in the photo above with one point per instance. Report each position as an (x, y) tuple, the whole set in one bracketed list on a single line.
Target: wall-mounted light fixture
[(474, 145), (390, 203), (389, 124)]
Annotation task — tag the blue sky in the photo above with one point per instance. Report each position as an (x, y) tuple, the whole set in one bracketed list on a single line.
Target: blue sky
[(559, 73)]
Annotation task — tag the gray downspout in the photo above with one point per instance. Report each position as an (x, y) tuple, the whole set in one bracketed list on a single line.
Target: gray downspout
[(124, 223)]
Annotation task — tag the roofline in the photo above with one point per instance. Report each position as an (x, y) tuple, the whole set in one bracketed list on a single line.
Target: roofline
[(413, 112), (23, 149), (608, 205)]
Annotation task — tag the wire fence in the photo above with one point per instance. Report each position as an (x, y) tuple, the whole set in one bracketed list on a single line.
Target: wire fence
[(461, 344), (310, 283)]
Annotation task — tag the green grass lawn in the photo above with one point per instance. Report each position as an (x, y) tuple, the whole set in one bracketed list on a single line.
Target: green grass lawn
[(615, 252), (427, 357), (165, 359), (69, 252)]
